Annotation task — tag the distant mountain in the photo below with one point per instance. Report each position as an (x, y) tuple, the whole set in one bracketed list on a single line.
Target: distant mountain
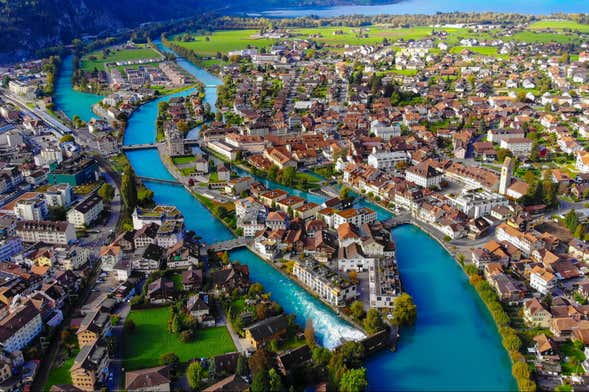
[(27, 25)]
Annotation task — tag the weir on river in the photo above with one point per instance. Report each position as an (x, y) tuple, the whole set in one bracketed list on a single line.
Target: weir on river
[(454, 346)]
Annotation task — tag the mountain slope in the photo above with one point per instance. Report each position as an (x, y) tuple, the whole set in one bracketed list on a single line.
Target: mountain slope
[(27, 25)]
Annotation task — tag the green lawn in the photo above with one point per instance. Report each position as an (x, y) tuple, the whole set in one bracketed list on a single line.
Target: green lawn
[(310, 177), (572, 356), (225, 41), (97, 59), (184, 160), (186, 171), (167, 91), (559, 25), (60, 375), (483, 50), (151, 339), (405, 72), (339, 36), (533, 36)]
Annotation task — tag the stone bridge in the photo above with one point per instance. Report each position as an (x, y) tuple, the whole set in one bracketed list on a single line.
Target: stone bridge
[(398, 220), (228, 245)]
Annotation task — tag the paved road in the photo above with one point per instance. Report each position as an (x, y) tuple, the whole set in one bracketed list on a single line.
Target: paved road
[(116, 364), (222, 320), (38, 113)]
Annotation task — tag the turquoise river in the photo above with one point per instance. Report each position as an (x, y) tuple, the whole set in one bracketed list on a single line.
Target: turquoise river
[(454, 345)]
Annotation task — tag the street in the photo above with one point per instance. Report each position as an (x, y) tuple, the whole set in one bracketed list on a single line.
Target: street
[(37, 113), (116, 380)]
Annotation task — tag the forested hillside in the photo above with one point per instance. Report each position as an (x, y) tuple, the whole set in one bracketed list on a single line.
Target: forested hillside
[(27, 25)]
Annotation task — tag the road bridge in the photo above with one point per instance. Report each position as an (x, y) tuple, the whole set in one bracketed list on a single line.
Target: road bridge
[(228, 245), (132, 147), (159, 180), (397, 220)]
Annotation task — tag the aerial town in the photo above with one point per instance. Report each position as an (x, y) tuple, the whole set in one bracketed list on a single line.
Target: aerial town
[(200, 212)]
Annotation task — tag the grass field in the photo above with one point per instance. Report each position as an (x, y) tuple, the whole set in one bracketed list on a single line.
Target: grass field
[(337, 37), (540, 37), (227, 40), (151, 339), (340, 36), (405, 72), (184, 160), (97, 59), (483, 50), (60, 375), (559, 25)]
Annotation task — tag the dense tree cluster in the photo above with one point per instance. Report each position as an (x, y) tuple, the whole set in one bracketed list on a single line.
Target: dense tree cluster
[(404, 310), (509, 337)]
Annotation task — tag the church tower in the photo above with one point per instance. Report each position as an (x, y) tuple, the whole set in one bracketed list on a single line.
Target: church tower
[(505, 180)]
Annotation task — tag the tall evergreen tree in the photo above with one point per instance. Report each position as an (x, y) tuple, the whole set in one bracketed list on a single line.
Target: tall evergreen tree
[(129, 189)]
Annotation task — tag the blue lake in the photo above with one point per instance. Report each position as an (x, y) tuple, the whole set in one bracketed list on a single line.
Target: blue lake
[(536, 7), (454, 346)]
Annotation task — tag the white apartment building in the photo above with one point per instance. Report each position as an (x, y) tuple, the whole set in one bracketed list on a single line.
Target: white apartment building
[(9, 247), (169, 234), (348, 261), (72, 258), (12, 138), (497, 135), (247, 206), (424, 175), (385, 131), (48, 156), (381, 159), (34, 209), (55, 233), (23, 89), (384, 283), (250, 228), (59, 195), (325, 283), (158, 215), (542, 281), (223, 149), (477, 203), (526, 242), (20, 327), (354, 216), (86, 212), (519, 146)]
